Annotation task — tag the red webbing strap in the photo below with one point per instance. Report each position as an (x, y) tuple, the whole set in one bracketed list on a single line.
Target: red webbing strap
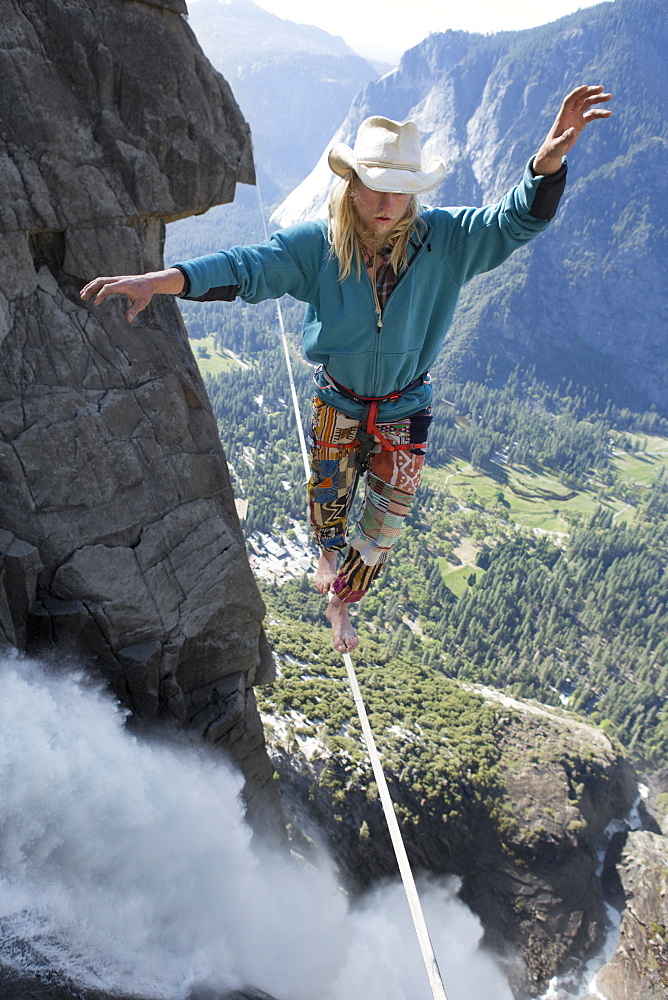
[(372, 428)]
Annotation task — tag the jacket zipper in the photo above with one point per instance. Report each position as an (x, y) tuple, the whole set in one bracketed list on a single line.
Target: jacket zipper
[(379, 311)]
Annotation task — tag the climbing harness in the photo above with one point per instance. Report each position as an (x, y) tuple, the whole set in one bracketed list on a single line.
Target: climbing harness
[(369, 435), (370, 428)]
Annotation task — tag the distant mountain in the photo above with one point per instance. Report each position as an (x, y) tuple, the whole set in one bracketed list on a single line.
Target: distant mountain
[(293, 82), (589, 300)]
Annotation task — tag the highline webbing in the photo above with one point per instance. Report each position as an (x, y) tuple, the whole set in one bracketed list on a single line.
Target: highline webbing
[(417, 914)]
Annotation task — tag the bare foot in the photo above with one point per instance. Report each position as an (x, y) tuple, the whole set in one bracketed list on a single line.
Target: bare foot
[(325, 573), (343, 634)]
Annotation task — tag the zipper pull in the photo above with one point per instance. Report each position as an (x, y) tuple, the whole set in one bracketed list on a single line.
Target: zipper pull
[(379, 311)]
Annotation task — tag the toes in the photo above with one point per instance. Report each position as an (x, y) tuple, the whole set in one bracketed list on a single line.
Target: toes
[(346, 644)]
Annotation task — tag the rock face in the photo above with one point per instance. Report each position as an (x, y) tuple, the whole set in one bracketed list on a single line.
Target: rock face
[(120, 542), (526, 854), (639, 969)]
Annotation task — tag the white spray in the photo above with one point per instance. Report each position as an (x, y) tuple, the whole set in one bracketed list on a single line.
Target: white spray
[(127, 866)]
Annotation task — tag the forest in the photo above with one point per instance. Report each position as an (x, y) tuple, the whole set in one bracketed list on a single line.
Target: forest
[(575, 618)]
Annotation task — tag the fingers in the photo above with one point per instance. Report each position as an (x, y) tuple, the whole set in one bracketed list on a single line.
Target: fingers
[(103, 287), (581, 100), (591, 95), (93, 287), (588, 112), (134, 287), (590, 116)]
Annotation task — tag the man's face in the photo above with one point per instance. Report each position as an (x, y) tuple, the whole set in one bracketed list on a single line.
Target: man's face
[(379, 211)]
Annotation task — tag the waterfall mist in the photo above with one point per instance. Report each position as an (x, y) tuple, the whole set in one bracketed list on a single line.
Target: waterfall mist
[(126, 865)]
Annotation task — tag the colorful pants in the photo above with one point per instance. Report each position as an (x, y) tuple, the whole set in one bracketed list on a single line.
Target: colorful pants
[(391, 482)]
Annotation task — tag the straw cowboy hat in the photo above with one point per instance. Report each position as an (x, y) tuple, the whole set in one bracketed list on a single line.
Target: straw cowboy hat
[(387, 157)]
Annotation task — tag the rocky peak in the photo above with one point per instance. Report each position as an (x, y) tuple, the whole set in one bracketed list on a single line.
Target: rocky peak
[(527, 852)]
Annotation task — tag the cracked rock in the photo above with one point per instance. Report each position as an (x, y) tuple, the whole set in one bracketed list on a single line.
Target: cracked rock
[(119, 543)]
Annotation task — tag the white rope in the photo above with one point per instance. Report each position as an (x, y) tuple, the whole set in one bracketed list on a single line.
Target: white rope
[(419, 922), (286, 352)]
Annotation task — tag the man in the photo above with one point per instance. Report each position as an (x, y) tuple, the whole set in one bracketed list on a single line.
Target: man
[(381, 279)]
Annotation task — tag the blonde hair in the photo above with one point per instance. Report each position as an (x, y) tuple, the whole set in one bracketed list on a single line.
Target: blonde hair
[(345, 238)]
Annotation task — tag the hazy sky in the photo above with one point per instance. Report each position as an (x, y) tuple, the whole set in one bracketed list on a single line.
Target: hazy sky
[(386, 28)]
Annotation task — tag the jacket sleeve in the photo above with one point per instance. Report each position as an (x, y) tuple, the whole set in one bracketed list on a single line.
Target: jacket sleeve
[(288, 262), (479, 239)]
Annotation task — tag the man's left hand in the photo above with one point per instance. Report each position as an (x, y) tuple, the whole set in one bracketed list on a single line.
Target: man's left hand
[(576, 111)]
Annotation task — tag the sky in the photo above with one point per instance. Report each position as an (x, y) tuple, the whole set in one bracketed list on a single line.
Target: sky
[(380, 29)]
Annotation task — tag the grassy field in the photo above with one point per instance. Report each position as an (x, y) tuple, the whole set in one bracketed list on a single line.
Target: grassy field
[(521, 496), (643, 468), (211, 361), (537, 500), (457, 580)]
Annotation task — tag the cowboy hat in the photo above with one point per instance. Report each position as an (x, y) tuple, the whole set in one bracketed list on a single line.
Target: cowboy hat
[(387, 157)]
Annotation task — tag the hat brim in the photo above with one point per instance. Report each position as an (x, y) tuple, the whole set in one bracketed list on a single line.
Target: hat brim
[(342, 159)]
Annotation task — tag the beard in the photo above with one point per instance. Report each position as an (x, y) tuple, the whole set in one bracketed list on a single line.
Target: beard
[(373, 240)]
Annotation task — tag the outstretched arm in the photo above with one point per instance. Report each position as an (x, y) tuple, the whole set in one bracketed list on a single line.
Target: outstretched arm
[(576, 111), (139, 288)]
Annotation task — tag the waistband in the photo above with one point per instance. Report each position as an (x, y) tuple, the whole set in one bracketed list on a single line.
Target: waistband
[(424, 379)]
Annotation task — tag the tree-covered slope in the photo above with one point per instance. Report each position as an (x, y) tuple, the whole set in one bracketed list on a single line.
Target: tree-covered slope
[(534, 556)]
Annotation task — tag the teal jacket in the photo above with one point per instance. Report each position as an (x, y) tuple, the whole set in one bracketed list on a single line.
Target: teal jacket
[(340, 327)]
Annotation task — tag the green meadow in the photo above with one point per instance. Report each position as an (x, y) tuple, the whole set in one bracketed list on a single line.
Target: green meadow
[(210, 360), (538, 501)]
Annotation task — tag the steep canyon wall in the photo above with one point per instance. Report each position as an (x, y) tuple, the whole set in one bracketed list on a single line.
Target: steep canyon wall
[(119, 540)]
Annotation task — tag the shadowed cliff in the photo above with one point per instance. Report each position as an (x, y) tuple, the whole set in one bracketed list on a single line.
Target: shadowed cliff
[(119, 540)]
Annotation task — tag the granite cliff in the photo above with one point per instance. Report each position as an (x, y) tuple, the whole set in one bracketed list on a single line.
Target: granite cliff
[(119, 541), (528, 852), (639, 968)]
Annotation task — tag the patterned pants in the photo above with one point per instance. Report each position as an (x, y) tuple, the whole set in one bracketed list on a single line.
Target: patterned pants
[(391, 483)]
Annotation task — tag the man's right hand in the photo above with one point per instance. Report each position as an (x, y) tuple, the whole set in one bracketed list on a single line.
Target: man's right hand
[(139, 288)]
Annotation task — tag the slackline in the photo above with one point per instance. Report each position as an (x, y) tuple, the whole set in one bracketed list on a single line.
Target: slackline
[(419, 922)]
